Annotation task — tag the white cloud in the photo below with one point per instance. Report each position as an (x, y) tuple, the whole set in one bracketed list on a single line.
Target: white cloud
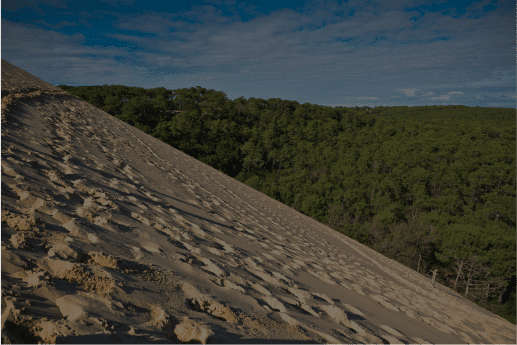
[(378, 51)]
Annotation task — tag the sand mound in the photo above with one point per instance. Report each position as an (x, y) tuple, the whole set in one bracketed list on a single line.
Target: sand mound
[(111, 236)]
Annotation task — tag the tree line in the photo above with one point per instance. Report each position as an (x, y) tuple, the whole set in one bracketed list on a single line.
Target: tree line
[(431, 187)]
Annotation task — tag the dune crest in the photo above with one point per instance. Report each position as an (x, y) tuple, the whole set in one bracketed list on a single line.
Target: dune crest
[(109, 235)]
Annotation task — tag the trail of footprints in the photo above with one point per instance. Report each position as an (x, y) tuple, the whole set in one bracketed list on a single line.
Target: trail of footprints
[(269, 278)]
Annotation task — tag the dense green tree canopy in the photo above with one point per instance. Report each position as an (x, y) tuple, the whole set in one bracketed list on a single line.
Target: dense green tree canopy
[(431, 187)]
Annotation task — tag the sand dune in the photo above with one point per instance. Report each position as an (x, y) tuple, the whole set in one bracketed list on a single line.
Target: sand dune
[(111, 236)]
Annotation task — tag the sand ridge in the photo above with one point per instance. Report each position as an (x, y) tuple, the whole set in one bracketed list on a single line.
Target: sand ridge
[(111, 235)]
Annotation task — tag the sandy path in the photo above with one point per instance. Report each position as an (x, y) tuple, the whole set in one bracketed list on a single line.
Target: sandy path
[(109, 235)]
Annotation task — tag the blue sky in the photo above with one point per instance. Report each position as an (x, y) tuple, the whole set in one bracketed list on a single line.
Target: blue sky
[(349, 53)]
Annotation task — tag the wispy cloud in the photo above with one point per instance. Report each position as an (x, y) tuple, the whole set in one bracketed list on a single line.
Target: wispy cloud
[(321, 52)]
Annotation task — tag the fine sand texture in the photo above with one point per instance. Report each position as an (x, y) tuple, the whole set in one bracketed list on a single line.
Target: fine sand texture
[(111, 236)]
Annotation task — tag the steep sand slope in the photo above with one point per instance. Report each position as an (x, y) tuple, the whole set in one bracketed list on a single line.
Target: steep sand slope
[(109, 235)]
